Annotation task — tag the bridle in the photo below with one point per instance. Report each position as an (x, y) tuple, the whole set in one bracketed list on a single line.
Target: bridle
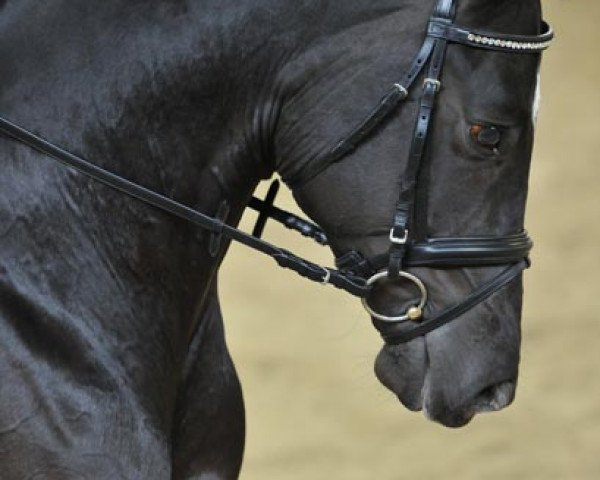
[(409, 245)]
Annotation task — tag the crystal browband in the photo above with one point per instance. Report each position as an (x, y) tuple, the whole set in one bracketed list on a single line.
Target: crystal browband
[(492, 41), (508, 43)]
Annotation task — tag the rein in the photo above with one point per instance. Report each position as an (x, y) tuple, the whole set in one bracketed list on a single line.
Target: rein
[(354, 285)]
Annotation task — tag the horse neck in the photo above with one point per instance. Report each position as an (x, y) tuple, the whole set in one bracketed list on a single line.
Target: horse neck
[(145, 105)]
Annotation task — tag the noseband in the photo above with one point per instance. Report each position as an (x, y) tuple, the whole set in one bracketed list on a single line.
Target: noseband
[(409, 246)]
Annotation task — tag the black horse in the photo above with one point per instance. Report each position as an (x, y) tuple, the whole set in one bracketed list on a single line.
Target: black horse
[(113, 362)]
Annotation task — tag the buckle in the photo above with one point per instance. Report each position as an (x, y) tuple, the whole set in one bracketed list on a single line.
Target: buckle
[(327, 277), (397, 240), (437, 85)]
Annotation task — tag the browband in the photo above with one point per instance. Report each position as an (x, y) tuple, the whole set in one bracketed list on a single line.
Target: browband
[(440, 28)]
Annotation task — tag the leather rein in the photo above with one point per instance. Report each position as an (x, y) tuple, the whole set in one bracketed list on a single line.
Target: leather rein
[(355, 274)]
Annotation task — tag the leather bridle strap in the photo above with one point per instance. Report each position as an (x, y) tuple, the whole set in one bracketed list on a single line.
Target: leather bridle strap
[(398, 333), (352, 284), (388, 104), (404, 213), (469, 251), (267, 210)]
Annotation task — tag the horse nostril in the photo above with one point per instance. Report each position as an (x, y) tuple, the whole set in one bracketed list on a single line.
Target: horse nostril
[(495, 397), (487, 394)]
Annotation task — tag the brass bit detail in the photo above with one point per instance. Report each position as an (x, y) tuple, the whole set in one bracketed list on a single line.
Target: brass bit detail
[(415, 314)]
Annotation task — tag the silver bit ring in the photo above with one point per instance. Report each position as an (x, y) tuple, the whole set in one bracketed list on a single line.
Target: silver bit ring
[(413, 314)]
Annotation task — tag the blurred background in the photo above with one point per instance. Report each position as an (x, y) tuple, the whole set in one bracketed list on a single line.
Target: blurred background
[(305, 354)]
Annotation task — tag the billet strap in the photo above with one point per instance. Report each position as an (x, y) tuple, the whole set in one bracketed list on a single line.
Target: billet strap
[(399, 333), (264, 209), (354, 285), (268, 210), (444, 8)]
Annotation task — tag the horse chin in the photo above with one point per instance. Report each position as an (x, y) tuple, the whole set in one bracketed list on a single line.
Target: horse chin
[(402, 369)]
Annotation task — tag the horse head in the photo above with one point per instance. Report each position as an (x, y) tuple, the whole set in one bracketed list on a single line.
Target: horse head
[(469, 182)]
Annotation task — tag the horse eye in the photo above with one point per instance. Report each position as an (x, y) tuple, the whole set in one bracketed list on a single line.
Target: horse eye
[(487, 136)]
